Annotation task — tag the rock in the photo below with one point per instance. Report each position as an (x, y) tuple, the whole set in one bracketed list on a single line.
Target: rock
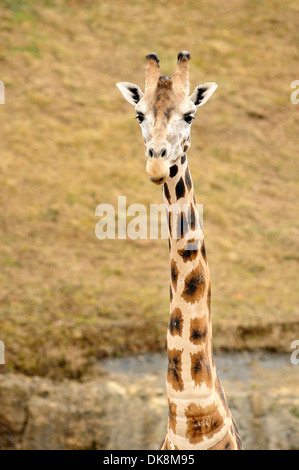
[(14, 395), (129, 412), (39, 414)]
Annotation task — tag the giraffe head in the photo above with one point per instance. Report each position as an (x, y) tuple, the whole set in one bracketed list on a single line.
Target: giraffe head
[(165, 112)]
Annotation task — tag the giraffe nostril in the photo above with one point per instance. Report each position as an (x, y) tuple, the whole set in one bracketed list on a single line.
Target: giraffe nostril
[(163, 153), (151, 153)]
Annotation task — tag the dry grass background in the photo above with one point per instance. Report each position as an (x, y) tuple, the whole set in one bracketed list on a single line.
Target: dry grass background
[(69, 142)]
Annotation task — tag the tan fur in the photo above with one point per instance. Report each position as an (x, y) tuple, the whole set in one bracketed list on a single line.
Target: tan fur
[(158, 170)]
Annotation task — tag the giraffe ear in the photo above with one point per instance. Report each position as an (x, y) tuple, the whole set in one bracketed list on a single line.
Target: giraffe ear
[(131, 92), (202, 93)]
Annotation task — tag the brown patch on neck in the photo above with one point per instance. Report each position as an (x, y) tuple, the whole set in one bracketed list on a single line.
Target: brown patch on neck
[(181, 225), (176, 322), (200, 370), (209, 299), (225, 444), (174, 373), (172, 416), (203, 251), (190, 251), (195, 285), (192, 217), (198, 330), (174, 273), (202, 422), (169, 220), (167, 193), (188, 255)]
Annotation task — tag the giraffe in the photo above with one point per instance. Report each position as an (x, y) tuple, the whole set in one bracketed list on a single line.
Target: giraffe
[(198, 417)]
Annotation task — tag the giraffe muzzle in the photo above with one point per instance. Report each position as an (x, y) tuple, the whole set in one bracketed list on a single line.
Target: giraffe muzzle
[(157, 170)]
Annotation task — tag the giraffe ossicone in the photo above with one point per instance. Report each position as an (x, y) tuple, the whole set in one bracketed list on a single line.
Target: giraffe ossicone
[(199, 417)]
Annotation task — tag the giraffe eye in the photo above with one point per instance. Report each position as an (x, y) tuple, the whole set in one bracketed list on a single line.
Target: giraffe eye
[(188, 119), (140, 118)]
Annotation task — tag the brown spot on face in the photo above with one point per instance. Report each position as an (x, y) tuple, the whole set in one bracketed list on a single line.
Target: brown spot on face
[(198, 330), (176, 322), (174, 373), (168, 112), (174, 273), (194, 285), (200, 370), (172, 416), (202, 422), (170, 293), (163, 102)]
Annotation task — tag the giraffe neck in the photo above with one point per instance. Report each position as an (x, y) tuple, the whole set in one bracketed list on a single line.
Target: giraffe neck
[(198, 413)]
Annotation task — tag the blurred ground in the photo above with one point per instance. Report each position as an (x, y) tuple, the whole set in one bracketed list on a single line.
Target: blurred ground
[(122, 404), (69, 142)]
